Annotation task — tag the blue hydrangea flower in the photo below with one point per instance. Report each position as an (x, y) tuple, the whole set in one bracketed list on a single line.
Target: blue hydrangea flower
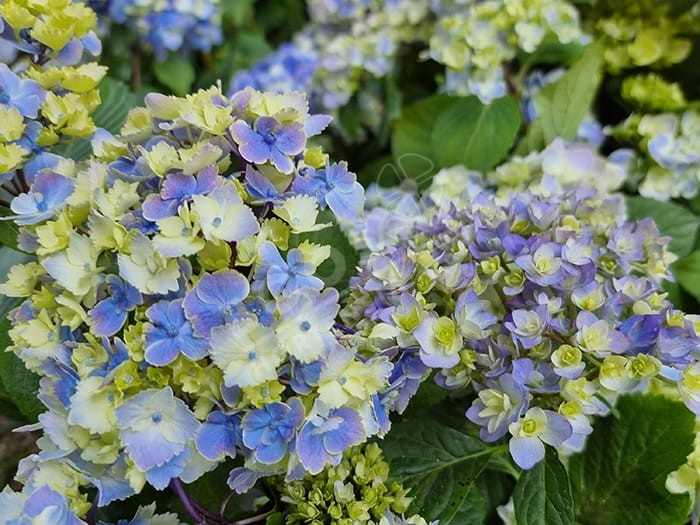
[(43, 505), (219, 435), (215, 300), (48, 195), (110, 480), (288, 68), (306, 318), (159, 476), (25, 95), (527, 326), (270, 140), (324, 437), (176, 189), (536, 427), (169, 333), (642, 331), (284, 277), (155, 427), (109, 315), (269, 430), (544, 265), (497, 407), (335, 187)]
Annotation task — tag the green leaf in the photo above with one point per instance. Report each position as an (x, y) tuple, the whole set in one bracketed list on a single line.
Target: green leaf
[(440, 464), (687, 273), (672, 219), (542, 495), (340, 266), (428, 395), (381, 170), (8, 231), (533, 139), (20, 385), (476, 135), (411, 142), (275, 519), (175, 73), (619, 478), (562, 104), (552, 51), (496, 488)]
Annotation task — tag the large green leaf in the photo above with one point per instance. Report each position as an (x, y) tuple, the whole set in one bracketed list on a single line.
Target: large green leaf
[(619, 478), (542, 495), (562, 104), (476, 135), (687, 273), (673, 220), (411, 142), (176, 73), (440, 464)]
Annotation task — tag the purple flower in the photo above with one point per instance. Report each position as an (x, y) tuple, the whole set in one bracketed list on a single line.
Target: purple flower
[(497, 407), (543, 266), (627, 243), (176, 189), (269, 430), (48, 195), (259, 187), (408, 374), (219, 435), (170, 333), (597, 336), (323, 438), (282, 277), (215, 299), (527, 326), (642, 332), (537, 427), (270, 140), (109, 315), (474, 316), (334, 187), (25, 96)]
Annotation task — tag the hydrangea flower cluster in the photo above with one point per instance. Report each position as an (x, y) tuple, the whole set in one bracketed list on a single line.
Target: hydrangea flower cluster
[(390, 213), (652, 93), (545, 302), (167, 25), (52, 96), (670, 163), (354, 491), (344, 46), (347, 42), (474, 39), (173, 311), (641, 33)]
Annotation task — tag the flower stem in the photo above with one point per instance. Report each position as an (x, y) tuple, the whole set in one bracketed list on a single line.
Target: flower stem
[(177, 487), (343, 328)]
